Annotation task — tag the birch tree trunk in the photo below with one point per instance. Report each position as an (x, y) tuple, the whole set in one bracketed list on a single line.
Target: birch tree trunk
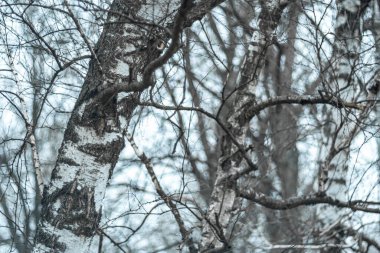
[(123, 60), (342, 82), (238, 117), (374, 87), (234, 159)]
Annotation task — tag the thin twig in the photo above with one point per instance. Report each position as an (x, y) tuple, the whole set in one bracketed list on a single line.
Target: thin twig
[(81, 32), (173, 208)]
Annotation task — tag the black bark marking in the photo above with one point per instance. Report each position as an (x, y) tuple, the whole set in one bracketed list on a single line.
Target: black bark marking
[(70, 133), (76, 212), (101, 115), (50, 241), (104, 153), (128, 105), (55, 173), (67, 160)]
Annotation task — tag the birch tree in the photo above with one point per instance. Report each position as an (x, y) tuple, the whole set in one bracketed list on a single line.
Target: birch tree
[(123, 61), (190, 126)]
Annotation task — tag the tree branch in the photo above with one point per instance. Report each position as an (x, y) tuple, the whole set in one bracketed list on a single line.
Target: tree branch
[(313, 199), (254, 109), (173, 208)]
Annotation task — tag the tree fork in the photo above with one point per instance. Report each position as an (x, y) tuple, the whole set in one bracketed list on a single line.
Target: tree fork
[(93, 140)]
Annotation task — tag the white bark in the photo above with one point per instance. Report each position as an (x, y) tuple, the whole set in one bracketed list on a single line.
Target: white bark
[(126, 56), (223, 204), (343, 83), (94, 138), (30, 135), (348, 26)]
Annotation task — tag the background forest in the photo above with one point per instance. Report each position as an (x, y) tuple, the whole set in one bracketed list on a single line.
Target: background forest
[(189, 126)]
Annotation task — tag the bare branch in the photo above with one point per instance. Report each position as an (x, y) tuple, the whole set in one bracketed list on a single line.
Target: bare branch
[(314, 199), (173, 208), (81, 32)]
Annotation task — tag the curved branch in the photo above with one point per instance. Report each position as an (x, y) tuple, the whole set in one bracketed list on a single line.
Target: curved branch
[(178, 27), (313, 199), (254, 109)]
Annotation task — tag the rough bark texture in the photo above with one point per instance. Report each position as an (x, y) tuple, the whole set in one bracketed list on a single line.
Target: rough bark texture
[(132, 38), (93, 140), (289, 103)]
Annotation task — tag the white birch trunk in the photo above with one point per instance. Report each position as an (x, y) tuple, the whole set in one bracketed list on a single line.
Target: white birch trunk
[(93, 140), (342, 83), (224, 202)]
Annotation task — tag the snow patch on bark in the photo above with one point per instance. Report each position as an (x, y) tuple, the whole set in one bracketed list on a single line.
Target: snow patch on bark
[(40, 248), (100, 182), (127, 28)]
